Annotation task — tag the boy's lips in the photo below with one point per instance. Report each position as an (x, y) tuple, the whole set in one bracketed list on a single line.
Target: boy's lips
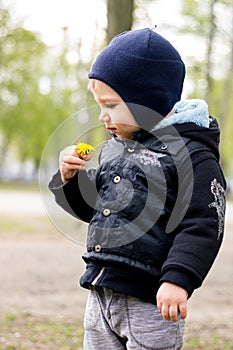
[(111, 129)]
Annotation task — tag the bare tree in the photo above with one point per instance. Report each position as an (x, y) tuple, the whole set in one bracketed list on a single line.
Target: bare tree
[(119, 16), (228, 84), (209, 51)]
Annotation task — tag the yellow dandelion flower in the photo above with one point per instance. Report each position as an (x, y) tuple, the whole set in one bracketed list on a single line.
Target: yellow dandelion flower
[(83, 149)]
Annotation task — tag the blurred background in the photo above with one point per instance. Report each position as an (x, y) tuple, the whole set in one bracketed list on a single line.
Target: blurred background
[(46, 50)]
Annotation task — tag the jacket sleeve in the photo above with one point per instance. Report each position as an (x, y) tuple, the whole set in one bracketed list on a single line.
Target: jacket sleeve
[(199, 235), (78, 195)]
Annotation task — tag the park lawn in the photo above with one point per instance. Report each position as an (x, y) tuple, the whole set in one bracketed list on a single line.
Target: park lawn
[(24, 331)]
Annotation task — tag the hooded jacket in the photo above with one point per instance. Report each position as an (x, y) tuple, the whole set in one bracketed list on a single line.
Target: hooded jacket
[(155, 206)]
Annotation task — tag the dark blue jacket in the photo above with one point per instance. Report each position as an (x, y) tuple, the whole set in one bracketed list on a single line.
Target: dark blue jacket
[(155, 208)]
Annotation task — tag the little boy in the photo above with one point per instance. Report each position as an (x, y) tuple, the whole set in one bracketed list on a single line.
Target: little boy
[(155, 205)]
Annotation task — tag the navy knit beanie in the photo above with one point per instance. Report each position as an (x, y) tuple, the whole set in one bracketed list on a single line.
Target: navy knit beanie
[(145, 70)]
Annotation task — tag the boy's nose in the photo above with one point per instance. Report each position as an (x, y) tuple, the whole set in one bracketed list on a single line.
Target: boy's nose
[(104, 118)]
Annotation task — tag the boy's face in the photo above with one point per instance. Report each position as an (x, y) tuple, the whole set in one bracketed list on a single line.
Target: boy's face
[(114, 112)]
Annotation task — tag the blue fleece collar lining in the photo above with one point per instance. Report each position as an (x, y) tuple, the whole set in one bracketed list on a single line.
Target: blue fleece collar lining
[(187, 111)]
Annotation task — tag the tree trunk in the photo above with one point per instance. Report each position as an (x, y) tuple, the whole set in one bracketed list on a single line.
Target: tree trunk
[(210, 44), (228, 84), (119, 16)]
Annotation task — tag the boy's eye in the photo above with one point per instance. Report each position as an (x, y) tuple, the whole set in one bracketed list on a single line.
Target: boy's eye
[(110, 105)]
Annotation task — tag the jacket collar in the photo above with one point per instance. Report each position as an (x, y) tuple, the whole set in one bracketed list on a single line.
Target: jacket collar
[(187, 111)]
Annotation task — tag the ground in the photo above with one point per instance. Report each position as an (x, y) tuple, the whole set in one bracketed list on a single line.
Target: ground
[(40, 269)]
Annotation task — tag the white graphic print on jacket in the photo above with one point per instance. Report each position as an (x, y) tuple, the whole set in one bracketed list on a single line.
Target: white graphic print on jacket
[(219, 203), (147, 157)]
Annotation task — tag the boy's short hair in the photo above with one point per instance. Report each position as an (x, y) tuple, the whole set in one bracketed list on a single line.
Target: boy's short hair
[(92, 84), (144, 69)]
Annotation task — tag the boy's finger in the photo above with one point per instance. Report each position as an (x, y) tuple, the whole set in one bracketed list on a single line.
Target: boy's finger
[(183, 311), (165, 312), (64, 152), (86, 157), (173, 313), (73, 160)]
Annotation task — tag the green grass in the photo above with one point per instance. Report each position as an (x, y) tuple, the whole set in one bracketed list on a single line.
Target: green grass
[(19, 186), (26, 332), (210, 343), (23, 331), (19, 225)]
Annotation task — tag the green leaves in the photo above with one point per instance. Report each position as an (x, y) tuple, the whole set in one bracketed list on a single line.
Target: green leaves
[(37, 89)]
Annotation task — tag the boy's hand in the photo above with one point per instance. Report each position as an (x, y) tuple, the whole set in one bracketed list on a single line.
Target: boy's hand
[(172, 299), (70, 163)]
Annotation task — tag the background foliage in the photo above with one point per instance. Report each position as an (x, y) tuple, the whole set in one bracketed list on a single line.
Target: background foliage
[(41, 86)]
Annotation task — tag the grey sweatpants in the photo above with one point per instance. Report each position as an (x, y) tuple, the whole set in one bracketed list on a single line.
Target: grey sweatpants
[(114, 321)]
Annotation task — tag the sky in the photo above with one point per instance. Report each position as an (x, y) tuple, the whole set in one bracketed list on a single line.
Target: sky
[(85, 18), (49, 16)]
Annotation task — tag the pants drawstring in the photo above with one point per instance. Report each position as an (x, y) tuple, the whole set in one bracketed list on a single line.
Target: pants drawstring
[(108, 313)]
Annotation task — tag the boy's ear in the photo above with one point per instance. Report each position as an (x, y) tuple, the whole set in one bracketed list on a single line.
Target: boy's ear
[(144, 116)]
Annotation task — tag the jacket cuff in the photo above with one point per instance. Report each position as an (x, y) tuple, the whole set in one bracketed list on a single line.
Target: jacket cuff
[(56, 181), (182, 279), (62, 191), (57, 184)]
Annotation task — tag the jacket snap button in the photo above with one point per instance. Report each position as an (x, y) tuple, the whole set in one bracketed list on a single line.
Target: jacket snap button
[(116, 179), (98, 248), (164, 147), (130, 150), (106, 212)]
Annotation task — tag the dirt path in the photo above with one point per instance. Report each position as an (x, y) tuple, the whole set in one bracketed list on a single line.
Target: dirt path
[(39, 274), (211, 307)]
